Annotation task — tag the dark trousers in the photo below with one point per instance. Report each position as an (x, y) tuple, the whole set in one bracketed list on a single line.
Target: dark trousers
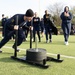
[(48, 31), (3, 32), (66, 36), (36, 32), (26, 32), (8, 36), (66, 30)]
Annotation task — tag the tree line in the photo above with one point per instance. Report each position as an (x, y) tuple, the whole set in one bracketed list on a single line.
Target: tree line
[(55, 10)]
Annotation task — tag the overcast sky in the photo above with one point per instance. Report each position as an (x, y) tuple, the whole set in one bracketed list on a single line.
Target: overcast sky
[(11, 7)]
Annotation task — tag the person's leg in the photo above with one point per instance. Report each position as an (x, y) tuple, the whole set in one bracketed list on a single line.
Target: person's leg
[(66, 35), (21, 37), (34, 33), (46, 34), (3, 32), (3, 42), (27, 31), (42, 31), (13, 38), (64, 32), (38, 33), (66, 39), (68, 30), (6, 38), (50, 35)]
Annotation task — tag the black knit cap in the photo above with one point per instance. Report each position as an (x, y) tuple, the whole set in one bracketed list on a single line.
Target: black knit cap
[(29, 13)]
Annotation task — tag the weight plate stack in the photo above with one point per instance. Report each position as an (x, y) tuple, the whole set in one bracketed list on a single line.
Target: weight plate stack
[(36, 55)]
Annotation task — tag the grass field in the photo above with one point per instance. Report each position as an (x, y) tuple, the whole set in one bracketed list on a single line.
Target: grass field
[(9, 66)]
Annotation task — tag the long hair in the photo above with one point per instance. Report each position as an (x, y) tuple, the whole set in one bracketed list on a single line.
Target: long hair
[(65, 8)]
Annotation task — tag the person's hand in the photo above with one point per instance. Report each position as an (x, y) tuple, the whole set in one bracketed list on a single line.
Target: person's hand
[(58, 32), (31, 27), (66, 14), (16, 27)]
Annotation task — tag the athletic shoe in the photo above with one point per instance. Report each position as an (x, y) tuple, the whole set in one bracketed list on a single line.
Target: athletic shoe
[(32, 39), (0, 51), (46, 41), (26, 39), (66, 43), (18, 50)]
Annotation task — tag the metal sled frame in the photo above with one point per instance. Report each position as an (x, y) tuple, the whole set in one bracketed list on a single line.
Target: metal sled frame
[(41, 63)]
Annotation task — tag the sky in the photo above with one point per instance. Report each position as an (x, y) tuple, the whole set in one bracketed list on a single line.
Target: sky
[(12, 7)]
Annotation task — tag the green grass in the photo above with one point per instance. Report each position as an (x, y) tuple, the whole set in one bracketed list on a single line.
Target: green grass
[(9, 66)]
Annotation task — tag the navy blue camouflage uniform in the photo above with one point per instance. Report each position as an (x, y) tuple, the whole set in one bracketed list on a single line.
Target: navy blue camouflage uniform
[(3, 25), (9, 30)]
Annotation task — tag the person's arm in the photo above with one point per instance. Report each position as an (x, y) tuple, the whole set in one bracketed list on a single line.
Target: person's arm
[(62, 16), (69, 16), (16, 27)]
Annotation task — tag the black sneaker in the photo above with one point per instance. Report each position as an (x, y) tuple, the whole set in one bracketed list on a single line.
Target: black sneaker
[(18, 50), (0, 51)]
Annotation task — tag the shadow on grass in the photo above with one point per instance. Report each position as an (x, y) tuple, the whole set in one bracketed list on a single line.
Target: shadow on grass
[(25, 64), (71, 41), (7, 60), (53, 43), (6, 57), (32, 66), (6, 53)]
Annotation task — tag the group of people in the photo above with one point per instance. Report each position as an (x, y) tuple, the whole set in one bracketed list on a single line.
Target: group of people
[(43, 25), (30, 20)]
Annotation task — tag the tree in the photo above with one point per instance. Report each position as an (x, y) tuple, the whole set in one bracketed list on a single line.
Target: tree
[(73, 12), (55, 11)]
